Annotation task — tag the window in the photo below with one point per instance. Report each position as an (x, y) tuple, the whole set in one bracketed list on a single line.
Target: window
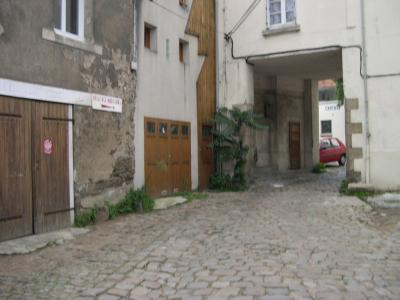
[(70, 18), (151, 127), (150, 37), (183, 51), (185, 130), (207, 131), (325, 144), (174, 129), (183, 3), (326, 127), (163, 129), (281, 12), (335, 143)]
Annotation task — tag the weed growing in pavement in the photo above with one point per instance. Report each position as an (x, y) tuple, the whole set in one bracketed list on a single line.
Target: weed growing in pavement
[(319, 168), (86, 218), (134, 201), (362, 195)]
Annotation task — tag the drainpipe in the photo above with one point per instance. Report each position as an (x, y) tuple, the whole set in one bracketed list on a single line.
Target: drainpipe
[(217, 70), (217, 47), (367, 161), (135, 48)]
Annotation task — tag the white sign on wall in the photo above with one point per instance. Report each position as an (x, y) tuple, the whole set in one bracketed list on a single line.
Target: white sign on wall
[(106, 103)]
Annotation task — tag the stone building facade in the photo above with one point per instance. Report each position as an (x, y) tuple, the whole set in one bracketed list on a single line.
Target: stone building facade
[(68, 53)]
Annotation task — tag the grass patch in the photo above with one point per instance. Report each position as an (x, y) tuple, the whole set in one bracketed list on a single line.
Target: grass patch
[(225, 183), (319, 168), (86, 218), (362, 195), (134, 201), (191, 196)]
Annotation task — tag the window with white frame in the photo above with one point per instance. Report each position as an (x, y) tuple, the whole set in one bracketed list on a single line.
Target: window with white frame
[(326, 127), (70, 18), (281, 12)]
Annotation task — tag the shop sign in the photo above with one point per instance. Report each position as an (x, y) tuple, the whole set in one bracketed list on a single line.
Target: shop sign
[(106, 103)]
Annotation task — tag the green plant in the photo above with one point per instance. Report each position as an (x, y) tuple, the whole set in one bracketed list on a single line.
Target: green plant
[(86, 218), (319, 168), (360, 194), (147, 203), (134, 201), (340, 91), (228, 144), (221, 182)]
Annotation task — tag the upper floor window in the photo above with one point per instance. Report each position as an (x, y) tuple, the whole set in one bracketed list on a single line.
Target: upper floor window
[(183, 51), (70, 19), (183, 3), (150, 37), (281, 12)]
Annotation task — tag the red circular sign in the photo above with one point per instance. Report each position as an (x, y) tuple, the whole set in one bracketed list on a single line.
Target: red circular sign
[(48, 147)]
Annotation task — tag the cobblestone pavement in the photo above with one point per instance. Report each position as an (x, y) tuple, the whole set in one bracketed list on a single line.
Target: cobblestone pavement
[(290, 236)]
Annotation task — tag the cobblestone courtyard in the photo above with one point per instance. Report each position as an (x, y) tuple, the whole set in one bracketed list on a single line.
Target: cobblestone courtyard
[(289, 237)]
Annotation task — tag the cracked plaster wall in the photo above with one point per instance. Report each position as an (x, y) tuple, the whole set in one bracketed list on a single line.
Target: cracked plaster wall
[(103, 142)]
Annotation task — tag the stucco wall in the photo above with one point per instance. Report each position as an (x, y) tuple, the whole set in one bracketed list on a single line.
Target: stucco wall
[(327, 24), (289, 100), (332, 111), (166, 86), (103, 142)]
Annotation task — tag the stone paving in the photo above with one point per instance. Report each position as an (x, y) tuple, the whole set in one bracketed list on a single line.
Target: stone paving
[(291, 236)]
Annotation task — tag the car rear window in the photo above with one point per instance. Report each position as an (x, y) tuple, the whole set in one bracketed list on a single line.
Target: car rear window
[(335, 143)]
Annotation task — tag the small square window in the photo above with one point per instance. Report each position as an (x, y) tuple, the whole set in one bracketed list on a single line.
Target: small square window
[(163, 129), (326, 127), (70, 18), (207, 131), (151, 127), (185, 130), (183, 51), (150, 37), (174, 129)]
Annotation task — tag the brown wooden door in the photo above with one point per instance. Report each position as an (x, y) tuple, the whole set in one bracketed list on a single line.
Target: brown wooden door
[(202, 24), (206, 157), (51, 167), (167, 157), (294, 145), (15, 169), (34, 167)]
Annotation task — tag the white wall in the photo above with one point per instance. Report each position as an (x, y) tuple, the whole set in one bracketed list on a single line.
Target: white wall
[(326, 23), (322, 23), (383, 49), (332, 111), (166, 88)]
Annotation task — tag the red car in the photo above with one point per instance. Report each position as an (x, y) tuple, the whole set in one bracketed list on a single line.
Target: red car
[(331, 150)]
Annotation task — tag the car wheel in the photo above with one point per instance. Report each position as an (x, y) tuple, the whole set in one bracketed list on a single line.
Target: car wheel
[(342, 160)]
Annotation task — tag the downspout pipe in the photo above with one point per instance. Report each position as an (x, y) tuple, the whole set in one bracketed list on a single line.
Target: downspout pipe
[(135, 48), (217, 52), (367, 160)]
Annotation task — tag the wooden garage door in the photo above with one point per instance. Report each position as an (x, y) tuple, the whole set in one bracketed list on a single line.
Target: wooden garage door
[(294, 145), (51, 167), (167, 156), (15, 169), (206, 156), (34, 167)]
